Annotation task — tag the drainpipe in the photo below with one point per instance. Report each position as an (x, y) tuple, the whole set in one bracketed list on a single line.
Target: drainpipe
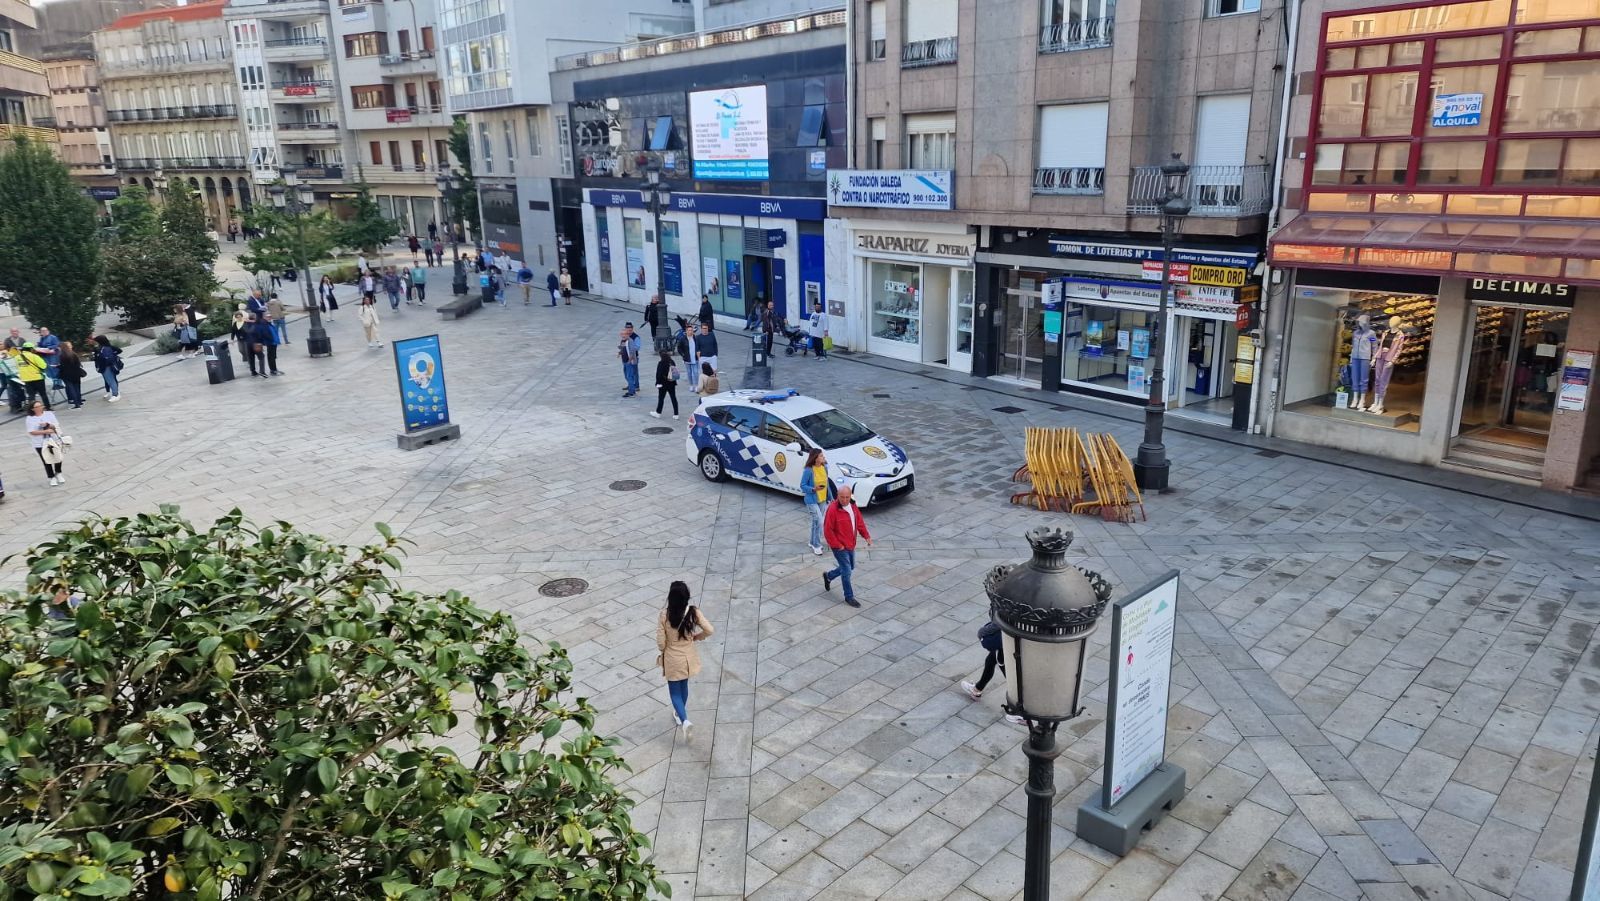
[(850, 84), (1265, 401)]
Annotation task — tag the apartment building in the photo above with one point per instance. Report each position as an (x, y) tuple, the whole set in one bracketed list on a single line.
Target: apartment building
[(389, 82), (79, 117), (1001, 213), (1436, 294), (498, 58), (24, 90), (168, 86), (290, 99)]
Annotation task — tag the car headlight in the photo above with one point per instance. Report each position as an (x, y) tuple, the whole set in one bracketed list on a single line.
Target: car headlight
[(853, 472)]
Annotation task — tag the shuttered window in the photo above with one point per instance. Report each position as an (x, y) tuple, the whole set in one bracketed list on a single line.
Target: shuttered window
[(1073, 136), (1222, 127)]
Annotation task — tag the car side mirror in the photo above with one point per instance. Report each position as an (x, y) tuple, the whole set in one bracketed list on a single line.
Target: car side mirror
[(793, 447)]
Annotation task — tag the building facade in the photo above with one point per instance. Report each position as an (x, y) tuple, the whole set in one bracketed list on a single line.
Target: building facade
[(24, 90), (171, 104), (1002, 218), (499, 56), (79, 117), (741, 127), (1437, 293), (389, 83)]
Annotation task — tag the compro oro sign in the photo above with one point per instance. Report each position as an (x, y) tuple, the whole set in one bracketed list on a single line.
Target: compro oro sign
[(1141, 678), (891, 189), (728, 133)]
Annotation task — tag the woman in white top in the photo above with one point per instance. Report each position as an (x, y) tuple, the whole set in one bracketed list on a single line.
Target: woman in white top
[(42, 425)]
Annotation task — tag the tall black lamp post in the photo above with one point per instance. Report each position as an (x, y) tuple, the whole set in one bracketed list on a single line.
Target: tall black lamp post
[(449, 183), (1046, 610), (657, 196), (1150, 467), (292, 197)]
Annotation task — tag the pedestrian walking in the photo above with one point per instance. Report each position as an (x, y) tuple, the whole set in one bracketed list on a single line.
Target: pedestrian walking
[(414, 245), (818, 328), (15, 394), (566, 285), (280, 325), (705, 345), (707, 316), (438, 252), (369, 286), (666, 384), (769, 324), (327, 301), (994, 658), (525, 279), (252, 335), (419, 285), (255, 304), (267, 334), (433, 230), (655, 315), (31, 371), (187, 336), (816, 493), (369, 321), (71, 372), (709, 382), (628, 352), (841, 526), (14, 341), (48, 347), (552, 283), (361, 263), (679, 628), (391, 287), (45, 433), (233, 233), (752, 316), (684, 342), (497, 286)]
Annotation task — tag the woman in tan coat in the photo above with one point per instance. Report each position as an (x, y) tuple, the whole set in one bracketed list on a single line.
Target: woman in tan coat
[(680, 626)]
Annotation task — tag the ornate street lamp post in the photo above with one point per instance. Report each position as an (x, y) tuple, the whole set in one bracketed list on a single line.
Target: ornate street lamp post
[(1150, 468), (450, 188), (295, 199), (1046, 610)]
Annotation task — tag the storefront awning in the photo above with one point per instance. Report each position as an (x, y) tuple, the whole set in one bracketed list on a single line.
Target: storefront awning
[(1558, 250)]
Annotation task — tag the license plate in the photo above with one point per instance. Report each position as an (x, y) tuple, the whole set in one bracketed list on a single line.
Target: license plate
[(896, 486)]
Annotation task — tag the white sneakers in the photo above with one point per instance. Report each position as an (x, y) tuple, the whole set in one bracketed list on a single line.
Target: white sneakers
[(656, 415), (61, 480), (816, 549), (971, 690), (53, 481), (114, 398), (1015, 720)]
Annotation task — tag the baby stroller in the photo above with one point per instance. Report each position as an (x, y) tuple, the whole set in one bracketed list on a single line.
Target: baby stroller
[(799, 341)]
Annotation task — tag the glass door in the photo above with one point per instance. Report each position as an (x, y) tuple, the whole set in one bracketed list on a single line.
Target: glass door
[(1513, 374), (1022, 334), (961, 320)]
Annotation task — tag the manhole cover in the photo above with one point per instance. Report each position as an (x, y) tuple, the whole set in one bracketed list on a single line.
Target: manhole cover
[(1008, 409), (1269, 453), (659, 430), (563, 588), (627, 485), (881, 396)]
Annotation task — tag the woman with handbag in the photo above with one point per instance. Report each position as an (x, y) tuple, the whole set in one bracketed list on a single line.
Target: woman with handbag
[(108, 362), (666, 384), (182, 329), (71, 372), (44, 432), (680, 626), (369, 321), (325, 297)]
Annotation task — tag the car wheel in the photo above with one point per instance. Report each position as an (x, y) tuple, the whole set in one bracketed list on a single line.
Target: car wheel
[(711, 466)]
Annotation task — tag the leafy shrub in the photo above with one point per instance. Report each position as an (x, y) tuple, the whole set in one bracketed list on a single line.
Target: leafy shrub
[(255, 712), (342, 273), (165, 343)]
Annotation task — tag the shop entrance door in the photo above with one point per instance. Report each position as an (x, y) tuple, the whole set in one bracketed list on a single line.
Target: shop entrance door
[(1200, 381), (1509, 394), (1022, 328)]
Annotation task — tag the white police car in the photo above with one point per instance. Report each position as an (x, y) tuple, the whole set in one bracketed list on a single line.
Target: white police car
[(764, 437)]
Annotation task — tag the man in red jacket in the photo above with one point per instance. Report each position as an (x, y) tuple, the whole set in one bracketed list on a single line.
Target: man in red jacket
[(840, 526)]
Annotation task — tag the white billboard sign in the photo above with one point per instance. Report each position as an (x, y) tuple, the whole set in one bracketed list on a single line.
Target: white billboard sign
[(1141, 679), (728, 133)]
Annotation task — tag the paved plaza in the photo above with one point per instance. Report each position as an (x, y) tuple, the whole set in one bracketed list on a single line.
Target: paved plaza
[(1383, 690)]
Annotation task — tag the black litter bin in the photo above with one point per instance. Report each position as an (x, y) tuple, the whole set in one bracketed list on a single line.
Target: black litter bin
[(219, 364)]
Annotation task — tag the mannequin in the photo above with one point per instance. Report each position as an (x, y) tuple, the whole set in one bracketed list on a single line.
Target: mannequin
[(1363, 341), (1388, 351)]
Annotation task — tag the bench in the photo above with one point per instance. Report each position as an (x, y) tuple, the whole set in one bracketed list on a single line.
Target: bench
[(461, 306)]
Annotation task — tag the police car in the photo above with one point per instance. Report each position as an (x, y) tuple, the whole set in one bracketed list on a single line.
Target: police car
[(764, 437)]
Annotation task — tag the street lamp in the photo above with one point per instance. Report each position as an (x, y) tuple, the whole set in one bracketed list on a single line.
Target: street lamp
[(657, 196), (449, 183), (1046, 610), (295, 199), (1151, 468)]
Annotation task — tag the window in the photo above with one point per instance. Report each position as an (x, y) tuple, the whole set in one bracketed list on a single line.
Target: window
[(813, 127), (1337, 348), (1076, 24), (564, 145), (394, 154), (832, 429), (371, 43), (877, 132), (1451, 163), (419, 155), (403, 38), (427, 39), (745, 419), (484, 147), (251, 78), (1230, 7), (778, 431), (1532, 11), (376, 149), (877, 30), (372, 96), (1553, 96), (1361, 164), (895, 290), (1452, 85), (931, 141), (1574, 162), (510, 135), (535, 142), (1437, 18), (1072, 149), (661, 133), (928, 20)]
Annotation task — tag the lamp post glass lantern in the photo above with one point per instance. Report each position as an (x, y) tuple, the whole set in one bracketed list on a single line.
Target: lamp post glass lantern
[(1046, 610), (1151, 469), (449, 187), (658, 197), (296, 199)]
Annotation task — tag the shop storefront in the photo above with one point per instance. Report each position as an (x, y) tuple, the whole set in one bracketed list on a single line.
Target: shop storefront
[(915, 289)]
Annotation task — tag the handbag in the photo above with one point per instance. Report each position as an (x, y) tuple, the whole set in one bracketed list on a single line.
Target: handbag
[(52, 451)]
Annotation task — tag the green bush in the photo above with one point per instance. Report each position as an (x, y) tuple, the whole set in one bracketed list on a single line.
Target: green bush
[(165, 343), (255, 712), (341, 273)]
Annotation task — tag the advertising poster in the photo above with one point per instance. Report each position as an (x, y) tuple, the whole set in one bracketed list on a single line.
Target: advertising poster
[(1123, 340), (671, 260), (1577, 369), (420, 368), (633, 241), (892, 189), (710, 283), (602, 228), (734, 289), (1139, 345), (1141, 675), (1138, 380), (1456, 110), (728, 133)]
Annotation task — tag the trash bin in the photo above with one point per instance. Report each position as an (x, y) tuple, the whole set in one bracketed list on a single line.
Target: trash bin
[(758, 351), (219, 364)]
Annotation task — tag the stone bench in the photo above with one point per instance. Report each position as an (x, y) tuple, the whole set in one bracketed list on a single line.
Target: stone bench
[(461, 306)]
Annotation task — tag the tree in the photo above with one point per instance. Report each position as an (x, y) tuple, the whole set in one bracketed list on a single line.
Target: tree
[(247, 713), (288, 241), (183, 221), (133, 215), (49, 244), (367, 229), (465, 207), (145, 276)]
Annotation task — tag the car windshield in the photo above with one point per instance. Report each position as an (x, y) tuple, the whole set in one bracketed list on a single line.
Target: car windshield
[(831, 429)]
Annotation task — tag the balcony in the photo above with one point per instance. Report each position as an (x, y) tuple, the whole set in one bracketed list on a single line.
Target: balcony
[(1077, 180), (172, 113), (21, 75), (291, 49), (317, 173), (308, 132), (1220, 191), (180, 163), (46, 136), (423, 116), (416, 62), (1081, 34), (420, 174), (932, 52), (319, 91)]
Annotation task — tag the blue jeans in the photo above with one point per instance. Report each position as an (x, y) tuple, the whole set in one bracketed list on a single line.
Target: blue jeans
[(394, 300), (74, 390), (816, 524), (678, 691), (630, 372), (847, 562), (110, 377), (282, 328)]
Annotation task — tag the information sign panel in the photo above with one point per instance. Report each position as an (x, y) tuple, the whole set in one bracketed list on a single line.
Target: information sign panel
[(1142, 627)]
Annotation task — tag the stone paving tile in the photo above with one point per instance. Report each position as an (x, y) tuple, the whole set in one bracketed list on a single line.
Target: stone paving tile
[(1341, 652)]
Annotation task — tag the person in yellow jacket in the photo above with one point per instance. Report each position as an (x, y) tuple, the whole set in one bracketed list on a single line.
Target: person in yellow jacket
[(30, 371)]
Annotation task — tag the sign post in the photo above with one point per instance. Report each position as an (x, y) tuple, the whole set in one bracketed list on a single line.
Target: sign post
[(1138, 784), (419, 366)]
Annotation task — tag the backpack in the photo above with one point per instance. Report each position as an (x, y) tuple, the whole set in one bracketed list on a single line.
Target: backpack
[(989, 636)]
